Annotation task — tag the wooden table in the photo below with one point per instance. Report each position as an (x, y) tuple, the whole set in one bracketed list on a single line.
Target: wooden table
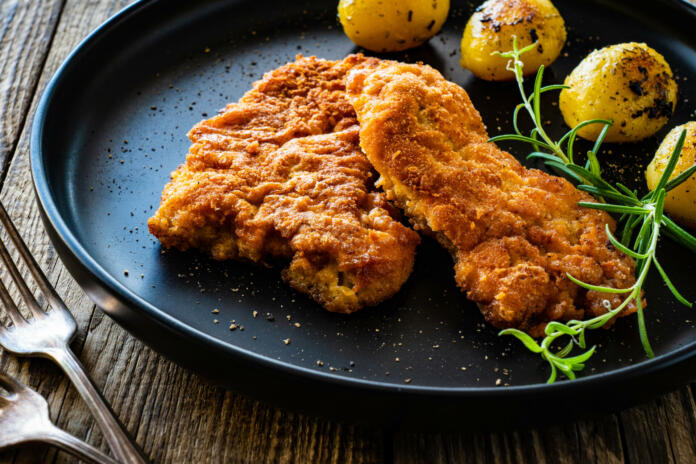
[(176, 416)]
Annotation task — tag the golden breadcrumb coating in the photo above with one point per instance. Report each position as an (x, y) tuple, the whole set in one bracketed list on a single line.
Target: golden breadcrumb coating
[(280, 176), (513, 232)]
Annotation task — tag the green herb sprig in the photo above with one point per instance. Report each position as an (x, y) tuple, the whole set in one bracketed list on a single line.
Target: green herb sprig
[(642, 221)]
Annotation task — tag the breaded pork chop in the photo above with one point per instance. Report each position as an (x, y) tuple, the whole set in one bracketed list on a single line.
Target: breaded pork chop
[(514, 233), (280, 176)]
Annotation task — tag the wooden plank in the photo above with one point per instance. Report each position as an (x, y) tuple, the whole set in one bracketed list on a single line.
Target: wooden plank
[(587, 441), (681, 412), (600, 440), (68, 28), (645, 434), (26, 28), (179, 418), (663, 430), (174, 414)]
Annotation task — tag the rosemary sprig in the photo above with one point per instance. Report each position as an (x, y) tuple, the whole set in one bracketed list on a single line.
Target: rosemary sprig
[(642, 220)]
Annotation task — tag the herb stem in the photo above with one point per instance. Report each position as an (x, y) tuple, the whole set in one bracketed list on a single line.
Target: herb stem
[(642, 214)]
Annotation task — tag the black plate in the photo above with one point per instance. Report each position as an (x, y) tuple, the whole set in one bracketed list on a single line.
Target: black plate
[(112, 124)]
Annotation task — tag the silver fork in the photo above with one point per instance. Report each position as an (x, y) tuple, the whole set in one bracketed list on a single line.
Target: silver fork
[(24, 418), (47, 334)]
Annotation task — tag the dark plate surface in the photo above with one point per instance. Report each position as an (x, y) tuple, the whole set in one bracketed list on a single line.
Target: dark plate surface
[(112, 125)]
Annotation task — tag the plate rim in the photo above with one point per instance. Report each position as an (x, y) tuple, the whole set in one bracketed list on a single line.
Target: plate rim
[(47, 204)]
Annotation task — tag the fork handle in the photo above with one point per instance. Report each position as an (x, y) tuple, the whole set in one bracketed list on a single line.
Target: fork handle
[(72, 445), (123, 447)]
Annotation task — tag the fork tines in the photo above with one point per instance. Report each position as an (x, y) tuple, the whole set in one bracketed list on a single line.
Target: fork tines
[(44, 285)]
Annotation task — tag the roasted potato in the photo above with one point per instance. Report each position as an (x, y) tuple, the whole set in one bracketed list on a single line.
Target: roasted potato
[(629, 83), (492, 26), (391, 25), (680, 202)]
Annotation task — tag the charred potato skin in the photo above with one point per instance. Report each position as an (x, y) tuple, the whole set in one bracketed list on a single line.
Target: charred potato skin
[(628, 83), (492, 26), (680, 202), (391, 25)]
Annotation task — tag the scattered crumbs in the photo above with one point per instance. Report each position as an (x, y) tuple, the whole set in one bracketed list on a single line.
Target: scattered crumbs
[(486, 357), (407, 380), (254, 313), (320, 363), (288, 317), (286, 341), (125, 272), (216, 311), (436, 346), (207, 50), (376, 330), (333, 369), (254, 337), (215, 321), (297, 324), (397, 359), (463, 368), (234, 290), (233, 327), (351, 363), (269, 317), (498, 382)]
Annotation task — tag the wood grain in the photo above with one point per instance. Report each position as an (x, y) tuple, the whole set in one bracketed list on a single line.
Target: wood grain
[(595, 441), (174, 414), (662, 430), (26, 29)]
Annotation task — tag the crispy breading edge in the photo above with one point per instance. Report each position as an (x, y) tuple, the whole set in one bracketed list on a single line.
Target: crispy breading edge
[(396, 138), (377, 271)]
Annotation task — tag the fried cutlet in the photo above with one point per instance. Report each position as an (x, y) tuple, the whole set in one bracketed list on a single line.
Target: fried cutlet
[(279, 176), (513, 232)]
